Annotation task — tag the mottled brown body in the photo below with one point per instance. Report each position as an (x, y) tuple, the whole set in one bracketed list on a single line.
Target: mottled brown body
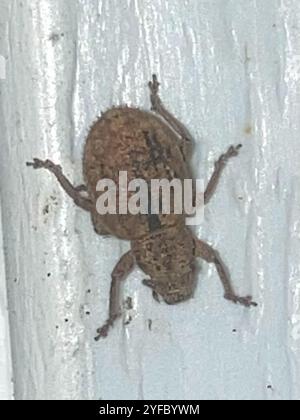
[(138, 142), (147, 147)]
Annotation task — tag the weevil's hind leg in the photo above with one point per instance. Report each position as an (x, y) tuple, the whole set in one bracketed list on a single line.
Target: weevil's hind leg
[(120, 273), (73, 192), (220, 164), (210, 255), (159, 108)]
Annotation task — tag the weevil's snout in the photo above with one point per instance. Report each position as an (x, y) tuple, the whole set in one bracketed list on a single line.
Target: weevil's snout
[(177, 297), (179, 289), (175, 289)]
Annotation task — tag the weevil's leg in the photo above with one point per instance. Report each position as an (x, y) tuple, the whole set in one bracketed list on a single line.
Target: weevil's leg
[(210, 255), (159, 107), (73, 192), (81, 188), (220, 164), (120, 273)]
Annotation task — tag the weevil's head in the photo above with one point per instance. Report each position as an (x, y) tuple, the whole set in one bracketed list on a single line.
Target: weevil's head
[(174, 288), (168, 259)]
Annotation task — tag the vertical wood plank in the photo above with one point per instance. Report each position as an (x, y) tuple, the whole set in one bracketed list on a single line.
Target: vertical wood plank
[(230, 71)]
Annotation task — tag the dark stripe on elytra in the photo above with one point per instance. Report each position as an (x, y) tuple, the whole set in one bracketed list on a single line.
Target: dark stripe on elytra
[(153, 219), (155, 150)]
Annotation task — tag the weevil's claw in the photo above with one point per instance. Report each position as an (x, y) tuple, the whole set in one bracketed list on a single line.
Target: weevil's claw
[(233, 151), (244, 301), (247, 302), (103, 331), (154, 85), (43, 164)]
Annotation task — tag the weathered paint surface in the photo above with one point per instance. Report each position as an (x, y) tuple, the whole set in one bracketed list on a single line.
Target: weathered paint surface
[(230, 70), (6, 386)]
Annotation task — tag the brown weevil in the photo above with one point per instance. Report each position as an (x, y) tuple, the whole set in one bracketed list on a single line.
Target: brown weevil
[(147, 146)]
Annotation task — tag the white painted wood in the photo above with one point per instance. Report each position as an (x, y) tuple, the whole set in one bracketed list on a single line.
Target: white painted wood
[(6, 385), (230, 71)]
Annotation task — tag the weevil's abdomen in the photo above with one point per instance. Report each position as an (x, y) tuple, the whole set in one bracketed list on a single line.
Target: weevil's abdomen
[(142, 145)]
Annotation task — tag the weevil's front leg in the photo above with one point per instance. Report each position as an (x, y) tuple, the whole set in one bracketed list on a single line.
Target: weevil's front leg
[(158, 107), (210, 255), (120, 273), (151, 285), (73, 192), (81, 188), (219, 167)]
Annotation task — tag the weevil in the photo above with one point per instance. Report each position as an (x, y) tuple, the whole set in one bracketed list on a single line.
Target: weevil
[(147, 145)]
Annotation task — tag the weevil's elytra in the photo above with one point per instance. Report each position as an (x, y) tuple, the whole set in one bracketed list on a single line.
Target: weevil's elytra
[(143, 146), (147, 145)]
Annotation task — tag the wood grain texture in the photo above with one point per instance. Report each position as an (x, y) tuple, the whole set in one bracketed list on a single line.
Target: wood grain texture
[(6, 385), (230, 71)]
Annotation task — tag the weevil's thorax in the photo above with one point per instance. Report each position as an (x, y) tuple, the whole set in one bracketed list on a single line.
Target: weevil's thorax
[(168, 258)]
